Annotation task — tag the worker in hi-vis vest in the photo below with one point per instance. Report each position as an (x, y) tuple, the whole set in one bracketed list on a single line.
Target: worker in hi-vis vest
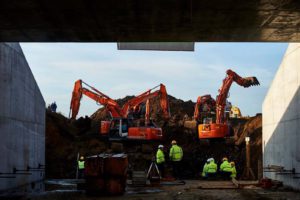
[(225, 169), (176, 155), (204, 170), (233, 170), (81, 167), (160, 160)]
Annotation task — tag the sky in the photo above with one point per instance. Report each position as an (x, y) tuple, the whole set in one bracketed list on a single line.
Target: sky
[(187, 75)]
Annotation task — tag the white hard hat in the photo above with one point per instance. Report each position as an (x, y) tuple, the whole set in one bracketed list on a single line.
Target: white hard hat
[(160, 146), (208, 160)]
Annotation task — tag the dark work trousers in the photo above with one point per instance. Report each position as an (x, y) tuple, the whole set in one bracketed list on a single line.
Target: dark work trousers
[(80, 173), (176, 169), (226, 175), (161, 168)]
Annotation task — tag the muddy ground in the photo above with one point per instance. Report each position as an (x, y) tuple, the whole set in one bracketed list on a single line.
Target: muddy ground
[(65, 138), (188, 191)]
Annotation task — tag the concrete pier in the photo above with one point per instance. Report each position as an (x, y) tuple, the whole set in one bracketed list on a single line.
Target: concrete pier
[(22, 121), (281, 120)]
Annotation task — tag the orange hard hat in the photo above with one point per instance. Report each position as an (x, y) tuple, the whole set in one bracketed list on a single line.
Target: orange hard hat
[(232, 163), (174, 142), (225, 158)]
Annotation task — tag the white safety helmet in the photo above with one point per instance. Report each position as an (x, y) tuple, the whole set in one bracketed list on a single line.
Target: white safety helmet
[(160, 146)]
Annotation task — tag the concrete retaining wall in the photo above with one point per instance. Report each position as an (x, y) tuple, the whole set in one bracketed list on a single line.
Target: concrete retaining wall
[(22, 119), (281, 119)]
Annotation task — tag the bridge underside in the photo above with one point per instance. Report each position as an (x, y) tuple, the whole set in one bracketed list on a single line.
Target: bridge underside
[(150, 20)]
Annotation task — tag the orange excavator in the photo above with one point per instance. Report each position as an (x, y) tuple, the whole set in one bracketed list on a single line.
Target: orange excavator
[(220, 128), (149, 130), (121, 126)]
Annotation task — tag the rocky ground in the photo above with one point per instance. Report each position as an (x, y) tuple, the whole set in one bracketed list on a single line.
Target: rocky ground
[(65, 138)]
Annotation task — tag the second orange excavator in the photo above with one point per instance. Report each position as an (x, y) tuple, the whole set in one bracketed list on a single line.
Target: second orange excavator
[(210, 114), (122, 124)]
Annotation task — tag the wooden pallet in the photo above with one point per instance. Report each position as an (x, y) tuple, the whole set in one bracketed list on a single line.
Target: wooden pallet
[(242, 184), (216, 185)]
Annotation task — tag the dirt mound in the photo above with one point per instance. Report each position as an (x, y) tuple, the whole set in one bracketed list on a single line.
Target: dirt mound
[(64, 139)]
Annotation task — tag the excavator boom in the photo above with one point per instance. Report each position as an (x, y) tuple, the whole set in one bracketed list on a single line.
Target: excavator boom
[(223, 91), (144, 98), (94, 94)]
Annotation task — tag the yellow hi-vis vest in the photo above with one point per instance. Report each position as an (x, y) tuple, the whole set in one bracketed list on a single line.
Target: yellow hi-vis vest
[(212, 167), (176, 153), (80, 164), (204, 171), (160, 156), (233, 172), (225, 166)]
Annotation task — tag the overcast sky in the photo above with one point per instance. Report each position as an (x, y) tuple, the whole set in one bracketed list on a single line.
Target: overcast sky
[(187, 75)]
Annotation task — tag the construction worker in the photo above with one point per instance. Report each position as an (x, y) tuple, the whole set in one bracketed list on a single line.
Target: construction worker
[(53, 107), (81, 167), (204, 171), (176, 155), (225, 169), (212, 168), (160, 160), (233, 170)]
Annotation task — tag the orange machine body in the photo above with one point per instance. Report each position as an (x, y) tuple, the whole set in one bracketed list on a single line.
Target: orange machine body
[(208, 131), (105, 127), (145, 133)]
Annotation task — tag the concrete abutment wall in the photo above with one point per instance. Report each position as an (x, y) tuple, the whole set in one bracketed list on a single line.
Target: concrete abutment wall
[(22, 119), (281, 119)]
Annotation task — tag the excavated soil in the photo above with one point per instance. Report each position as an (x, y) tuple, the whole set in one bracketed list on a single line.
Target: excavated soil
[(65, 139)]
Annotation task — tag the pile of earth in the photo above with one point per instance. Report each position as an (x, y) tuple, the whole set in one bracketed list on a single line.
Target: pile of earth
[(65, 139)]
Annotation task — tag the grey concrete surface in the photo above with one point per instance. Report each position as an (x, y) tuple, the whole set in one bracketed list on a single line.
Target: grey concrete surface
[(150, 20), (159, 46), (22, 119), (281, 119)]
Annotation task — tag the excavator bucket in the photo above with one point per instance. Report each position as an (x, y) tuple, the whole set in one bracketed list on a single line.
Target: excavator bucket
[(251, 81)]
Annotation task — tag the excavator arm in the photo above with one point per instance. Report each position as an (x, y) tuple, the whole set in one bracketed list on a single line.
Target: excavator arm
[(94, 94), (144, 97), (223, 91)]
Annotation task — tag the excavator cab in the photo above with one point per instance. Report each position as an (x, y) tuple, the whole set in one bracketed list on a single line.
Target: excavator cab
[(122, 129), (118, 129)]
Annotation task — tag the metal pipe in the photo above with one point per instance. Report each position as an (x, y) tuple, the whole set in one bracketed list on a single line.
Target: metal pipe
[(41, 165), (14, 173), (280, 170), (7, 177), (23, 172), (35, 168), (247, 154)]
